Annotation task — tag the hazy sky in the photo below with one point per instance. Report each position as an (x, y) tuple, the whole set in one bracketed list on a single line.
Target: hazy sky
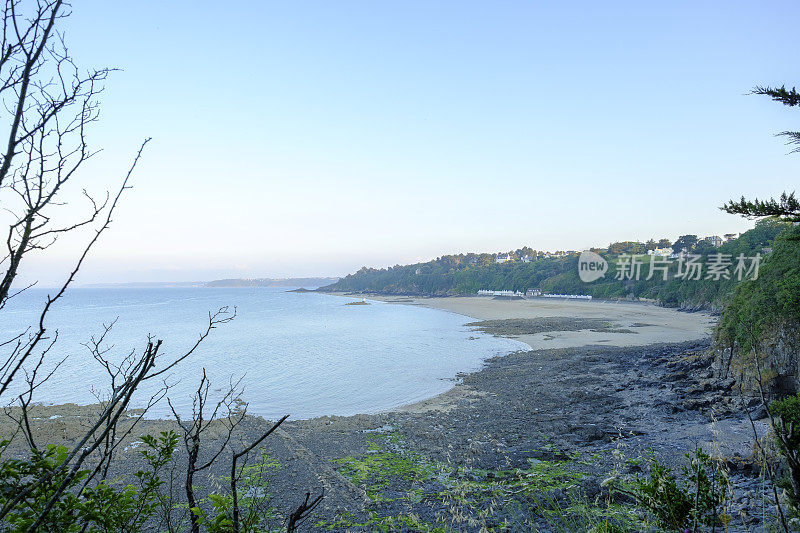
[(311, 138)]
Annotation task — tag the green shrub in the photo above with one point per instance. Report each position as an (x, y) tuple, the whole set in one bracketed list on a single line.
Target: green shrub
[(786, 427), (676, 504), (772, 299), (256, 512), (100, 507), (788, 410), (660, 493)]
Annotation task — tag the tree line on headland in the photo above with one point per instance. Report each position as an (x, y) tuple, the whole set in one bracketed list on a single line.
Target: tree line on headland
[(465, 274)]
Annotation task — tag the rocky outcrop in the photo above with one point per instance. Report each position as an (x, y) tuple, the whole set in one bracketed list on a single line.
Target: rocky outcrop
[(782, 348), (778, 362)]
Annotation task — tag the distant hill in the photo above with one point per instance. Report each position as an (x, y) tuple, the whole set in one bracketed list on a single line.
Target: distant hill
[(308, 283), (145, 285), (465, 274)]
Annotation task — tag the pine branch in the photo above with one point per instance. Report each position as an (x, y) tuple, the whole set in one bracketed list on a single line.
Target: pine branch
[(794, 138), (789, 98), (787, 207)]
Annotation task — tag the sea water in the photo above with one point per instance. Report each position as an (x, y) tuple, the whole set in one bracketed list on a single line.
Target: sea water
[(302, 354)]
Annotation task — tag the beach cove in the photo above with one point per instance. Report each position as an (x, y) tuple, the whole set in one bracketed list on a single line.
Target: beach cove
[(594, 379)]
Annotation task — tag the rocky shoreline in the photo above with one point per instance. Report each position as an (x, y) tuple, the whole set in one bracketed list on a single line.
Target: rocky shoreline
[(550, 404)]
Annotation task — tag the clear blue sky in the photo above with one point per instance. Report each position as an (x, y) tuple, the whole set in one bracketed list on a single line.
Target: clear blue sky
[(301, 138)]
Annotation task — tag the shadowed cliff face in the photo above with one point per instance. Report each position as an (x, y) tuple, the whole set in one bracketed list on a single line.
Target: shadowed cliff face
[(778, 351), (761, 324), (782, 348)]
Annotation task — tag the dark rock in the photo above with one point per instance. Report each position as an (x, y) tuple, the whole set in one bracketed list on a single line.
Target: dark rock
[(590, 486), (759, 413)]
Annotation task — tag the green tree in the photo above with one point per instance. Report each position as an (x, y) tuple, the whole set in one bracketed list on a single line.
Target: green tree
[(626, 247), (787, 98), (763, 306), (704, 247), (686, 242), (786, 207)]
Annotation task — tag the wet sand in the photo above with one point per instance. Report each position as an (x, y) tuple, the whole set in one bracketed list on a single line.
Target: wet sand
[(651, 323)]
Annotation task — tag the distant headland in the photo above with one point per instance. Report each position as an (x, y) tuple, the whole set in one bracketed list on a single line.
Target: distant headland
[(309, 283)]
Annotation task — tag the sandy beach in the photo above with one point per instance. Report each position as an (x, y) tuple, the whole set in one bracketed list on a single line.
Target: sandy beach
[(649, 323)]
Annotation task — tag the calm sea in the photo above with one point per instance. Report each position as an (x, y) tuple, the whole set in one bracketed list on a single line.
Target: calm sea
[(302, 354)]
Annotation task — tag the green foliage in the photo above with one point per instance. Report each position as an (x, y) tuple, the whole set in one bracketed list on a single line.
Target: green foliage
[(608, 527), (627, 247), (546, 492), (386, 461), (109, 506), (788, 410), (709, 486), (546, 495), (375, 522), (698, 497), (786, 207), (684, 242), (255, 513), (388, 473), (758, 306), (662, 495), (468, 273), (787, 98), (22, 475), (786, 427), (101, 507), (458, 274), (220, 520)]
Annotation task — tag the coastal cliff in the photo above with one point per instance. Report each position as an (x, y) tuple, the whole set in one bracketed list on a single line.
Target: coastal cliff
[(758, 337)]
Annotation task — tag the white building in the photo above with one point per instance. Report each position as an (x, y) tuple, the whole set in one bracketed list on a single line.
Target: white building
[(569, 296), (484, 292)]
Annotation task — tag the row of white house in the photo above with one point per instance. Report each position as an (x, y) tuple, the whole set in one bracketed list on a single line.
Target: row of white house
[(534, 293), (505, 258), (715, 240), (484, 292), (569, 296)]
